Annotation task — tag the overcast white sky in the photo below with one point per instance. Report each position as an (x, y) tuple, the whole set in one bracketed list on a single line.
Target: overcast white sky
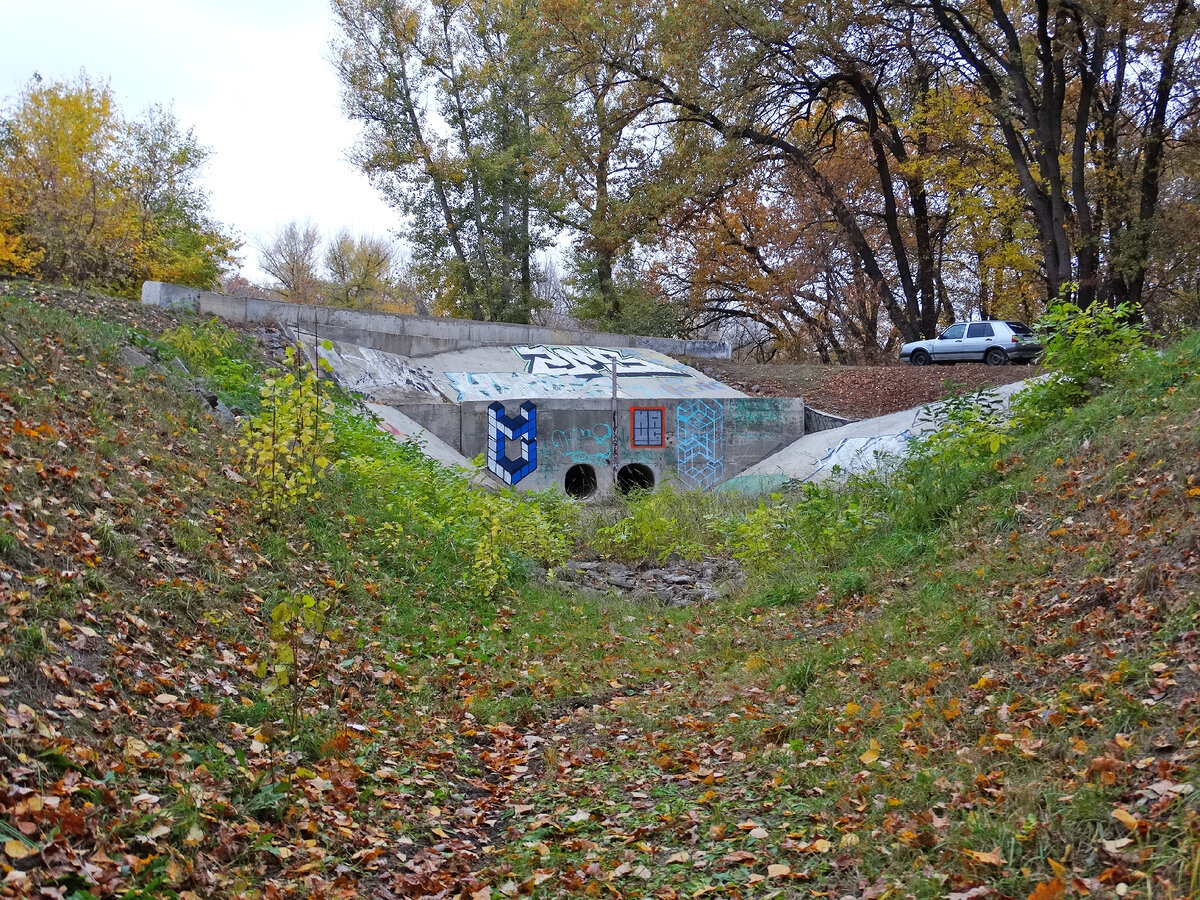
[(251, 76)]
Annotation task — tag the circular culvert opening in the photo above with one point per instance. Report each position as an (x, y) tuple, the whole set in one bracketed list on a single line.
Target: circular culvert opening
[(580, 481), (635, 477)]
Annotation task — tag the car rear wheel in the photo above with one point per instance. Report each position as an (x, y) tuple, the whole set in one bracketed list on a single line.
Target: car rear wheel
[(920, 358), (995, 357)]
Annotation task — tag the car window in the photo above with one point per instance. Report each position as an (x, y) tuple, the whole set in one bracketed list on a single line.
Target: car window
[(1019, 327), (954, 331), (979, 329)]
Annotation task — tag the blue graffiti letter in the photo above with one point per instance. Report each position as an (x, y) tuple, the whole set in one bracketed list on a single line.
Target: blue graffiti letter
[(503, 428)]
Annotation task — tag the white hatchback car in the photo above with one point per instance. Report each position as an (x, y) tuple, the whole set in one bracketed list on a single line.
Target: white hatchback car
[(994, 342)]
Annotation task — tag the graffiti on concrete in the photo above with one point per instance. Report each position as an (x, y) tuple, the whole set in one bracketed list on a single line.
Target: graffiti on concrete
[(503, 429), (591, 362), (858, 455), (699, 442), (757, 417), (478, 386), (584, 445), (376, 373), (694, 387), (468, 386), (646, 426)]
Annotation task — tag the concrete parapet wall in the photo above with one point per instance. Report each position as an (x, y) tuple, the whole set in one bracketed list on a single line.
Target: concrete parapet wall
[(412, 336)]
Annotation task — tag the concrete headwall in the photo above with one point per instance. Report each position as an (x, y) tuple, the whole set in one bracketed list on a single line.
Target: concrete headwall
[(411, 336), (705, 441)]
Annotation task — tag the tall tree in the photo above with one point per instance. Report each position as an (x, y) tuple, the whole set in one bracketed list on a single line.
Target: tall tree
[(593, 154), (360, 270), (90, 199), (789, 83), (444, 94), (1087, 97), (181, 243), (838, 174), (603, 153), (292, 256), (63, 180), (762, 253)]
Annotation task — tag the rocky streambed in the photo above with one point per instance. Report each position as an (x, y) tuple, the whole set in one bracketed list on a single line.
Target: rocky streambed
[(674, 583)]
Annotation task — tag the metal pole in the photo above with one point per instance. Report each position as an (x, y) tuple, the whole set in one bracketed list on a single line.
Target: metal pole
[(615, 443)]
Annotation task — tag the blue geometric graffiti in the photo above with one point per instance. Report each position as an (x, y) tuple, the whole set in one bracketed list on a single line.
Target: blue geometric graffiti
[(699, 442), (503, 428)]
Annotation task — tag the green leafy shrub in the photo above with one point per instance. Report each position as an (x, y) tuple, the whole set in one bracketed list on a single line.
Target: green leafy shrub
[(199, 346), (656, 524), (1085, 351), (943, 466), (235, 382), (816, 522), (971, 427), (823, 526), (288, 442), (431, 525), (221, 356), (303, 631)]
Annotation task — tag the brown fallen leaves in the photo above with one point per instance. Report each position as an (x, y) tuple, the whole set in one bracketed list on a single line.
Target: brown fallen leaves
[(139, 756), (861, 392)]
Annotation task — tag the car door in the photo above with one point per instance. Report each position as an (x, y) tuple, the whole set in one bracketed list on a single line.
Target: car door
[(948, 346), (980, 336)]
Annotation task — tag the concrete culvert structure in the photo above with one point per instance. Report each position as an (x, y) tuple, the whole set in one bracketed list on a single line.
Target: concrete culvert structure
[(580, 481), (545, 407), (635, 477)]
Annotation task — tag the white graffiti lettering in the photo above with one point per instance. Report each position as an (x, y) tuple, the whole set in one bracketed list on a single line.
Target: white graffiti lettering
[(591, 362)]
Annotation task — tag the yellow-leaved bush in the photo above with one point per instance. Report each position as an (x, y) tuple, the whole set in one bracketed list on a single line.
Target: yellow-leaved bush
[(90, 198), (287, 445)]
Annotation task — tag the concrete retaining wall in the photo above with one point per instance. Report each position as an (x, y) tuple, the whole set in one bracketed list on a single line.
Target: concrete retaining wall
[(411, 336), (816, 420), (705, 441)]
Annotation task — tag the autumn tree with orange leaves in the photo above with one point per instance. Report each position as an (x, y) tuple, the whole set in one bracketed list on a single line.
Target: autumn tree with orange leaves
[(845, 165), (897, 165)]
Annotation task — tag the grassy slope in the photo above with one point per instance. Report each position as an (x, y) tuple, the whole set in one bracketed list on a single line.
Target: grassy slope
[(955, 708)]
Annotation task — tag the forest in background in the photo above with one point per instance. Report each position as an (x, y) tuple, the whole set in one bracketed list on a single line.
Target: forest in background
[(834, 178), (89, 197), (814, 181)]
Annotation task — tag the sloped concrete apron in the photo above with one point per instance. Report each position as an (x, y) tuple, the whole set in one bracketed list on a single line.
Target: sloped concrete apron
[(863, 446)]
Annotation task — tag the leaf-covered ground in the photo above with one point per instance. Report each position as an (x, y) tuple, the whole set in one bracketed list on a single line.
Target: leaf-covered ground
[(1006, 708), (862, 392)]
